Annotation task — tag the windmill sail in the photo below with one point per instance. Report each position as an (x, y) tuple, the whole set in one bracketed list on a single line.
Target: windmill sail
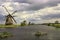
[(5, 9), (14, 12), (14, 20)]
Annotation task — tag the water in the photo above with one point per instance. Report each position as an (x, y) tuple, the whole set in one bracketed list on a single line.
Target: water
[(27, 33)]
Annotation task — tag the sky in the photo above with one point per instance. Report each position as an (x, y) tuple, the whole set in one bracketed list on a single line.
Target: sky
[(37, 11)]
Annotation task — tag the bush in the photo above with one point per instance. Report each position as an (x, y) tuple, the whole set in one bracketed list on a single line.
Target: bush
[(5, 35), (38, 34), (49, 24), (23, 23)]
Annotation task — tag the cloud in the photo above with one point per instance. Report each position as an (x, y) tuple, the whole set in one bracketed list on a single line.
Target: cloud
[(34, 4), (51, 16), (39, 4), (32, 10)]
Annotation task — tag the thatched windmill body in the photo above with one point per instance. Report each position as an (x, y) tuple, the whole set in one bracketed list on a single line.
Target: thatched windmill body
[(9, 18)]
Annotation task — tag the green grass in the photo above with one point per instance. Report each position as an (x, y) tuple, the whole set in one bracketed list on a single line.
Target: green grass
[(4, 35), (55, 25), (8, 26)]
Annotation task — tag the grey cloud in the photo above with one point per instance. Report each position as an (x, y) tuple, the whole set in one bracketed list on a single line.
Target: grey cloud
[(2, 0), (5, 0), (21, 1), (36, 6), (50, 16)]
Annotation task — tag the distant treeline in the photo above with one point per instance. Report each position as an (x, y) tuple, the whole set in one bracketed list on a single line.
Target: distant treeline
[(55, 24)]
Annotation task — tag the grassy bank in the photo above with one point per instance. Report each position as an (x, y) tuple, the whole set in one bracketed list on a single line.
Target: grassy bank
[(54, 25), (8, 26)]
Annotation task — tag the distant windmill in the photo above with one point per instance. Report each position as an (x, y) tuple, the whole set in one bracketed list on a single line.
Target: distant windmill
[(9, 18)]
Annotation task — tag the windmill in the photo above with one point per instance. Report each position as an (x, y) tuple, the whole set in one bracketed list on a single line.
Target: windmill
[(9, 18)]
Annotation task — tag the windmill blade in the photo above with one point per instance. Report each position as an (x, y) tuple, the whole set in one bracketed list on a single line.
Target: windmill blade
[(14, 12), (6, 9), (14, 16), (14, 20)]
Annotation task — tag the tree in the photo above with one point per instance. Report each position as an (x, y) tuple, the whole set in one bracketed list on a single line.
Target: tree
[(56, 22), (49, 24), (29, 23), (23, 23)]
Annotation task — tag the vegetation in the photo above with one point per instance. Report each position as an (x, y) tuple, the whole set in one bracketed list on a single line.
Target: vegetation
[(56, 24), (23, 23), (38, 34), (8, 26), (30, 23), (4, 35)]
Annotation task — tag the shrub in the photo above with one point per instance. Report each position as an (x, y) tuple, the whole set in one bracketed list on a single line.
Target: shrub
[(38, 34), (23, 23), (5, 35)]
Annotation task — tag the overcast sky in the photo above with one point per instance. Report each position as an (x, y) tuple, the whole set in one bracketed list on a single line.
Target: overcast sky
[(37, 11)]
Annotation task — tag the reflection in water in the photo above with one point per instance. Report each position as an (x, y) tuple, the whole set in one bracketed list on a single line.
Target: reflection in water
[(27, 33)]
